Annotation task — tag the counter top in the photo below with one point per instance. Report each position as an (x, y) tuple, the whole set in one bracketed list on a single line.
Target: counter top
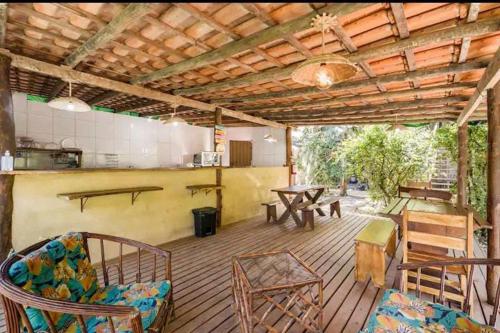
[(92, 170)]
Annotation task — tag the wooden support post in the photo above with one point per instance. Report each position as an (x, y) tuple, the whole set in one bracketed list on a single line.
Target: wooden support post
[(493, 181), (289, 153), (462, 167), (218, 171), (7, 142)]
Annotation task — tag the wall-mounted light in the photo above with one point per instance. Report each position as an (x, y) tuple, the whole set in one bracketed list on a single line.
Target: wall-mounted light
[(270, 138)]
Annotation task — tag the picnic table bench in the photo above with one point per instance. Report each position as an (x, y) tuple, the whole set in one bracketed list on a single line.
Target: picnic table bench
[(371, 244), (308, 207)]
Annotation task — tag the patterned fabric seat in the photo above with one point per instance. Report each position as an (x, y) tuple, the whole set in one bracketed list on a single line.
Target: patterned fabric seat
[(146, 297), (399, 312), (61, 269)]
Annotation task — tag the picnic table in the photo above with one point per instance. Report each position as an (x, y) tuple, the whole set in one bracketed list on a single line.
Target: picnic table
[(298, 192), (395, 208)]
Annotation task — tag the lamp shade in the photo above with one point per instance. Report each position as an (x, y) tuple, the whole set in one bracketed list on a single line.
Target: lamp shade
[(174, 121), (323, 71), (72, 104)]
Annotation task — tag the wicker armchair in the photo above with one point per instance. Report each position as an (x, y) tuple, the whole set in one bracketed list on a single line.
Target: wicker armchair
[(52, 286), (404, 312)]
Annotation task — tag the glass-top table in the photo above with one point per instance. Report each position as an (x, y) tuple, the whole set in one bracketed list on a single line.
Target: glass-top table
[(285, 283)]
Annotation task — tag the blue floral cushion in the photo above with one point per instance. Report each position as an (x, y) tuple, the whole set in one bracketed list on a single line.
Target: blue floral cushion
[(146, 297), (398, 312), (60, 269)]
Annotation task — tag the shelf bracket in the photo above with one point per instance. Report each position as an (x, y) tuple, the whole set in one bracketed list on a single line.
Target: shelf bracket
[(83, 201), (134, 196)]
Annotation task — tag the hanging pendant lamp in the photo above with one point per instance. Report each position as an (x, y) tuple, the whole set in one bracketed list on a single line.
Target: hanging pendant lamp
[(174, 120), (69, 103), (324, 70)]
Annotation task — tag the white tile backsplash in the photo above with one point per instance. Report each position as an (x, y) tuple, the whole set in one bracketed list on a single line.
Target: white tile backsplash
[(136, 141)]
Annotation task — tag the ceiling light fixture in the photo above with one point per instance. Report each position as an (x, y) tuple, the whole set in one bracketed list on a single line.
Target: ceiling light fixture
[(69, 103), (324, 70), (270, 138), (174, 120)]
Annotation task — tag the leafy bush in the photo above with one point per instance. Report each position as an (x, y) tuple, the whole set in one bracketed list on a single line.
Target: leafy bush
[(316, 157), (387, 158)]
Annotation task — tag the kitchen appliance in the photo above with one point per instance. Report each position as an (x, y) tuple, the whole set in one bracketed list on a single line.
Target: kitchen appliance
[(206, 158), (41, 158)]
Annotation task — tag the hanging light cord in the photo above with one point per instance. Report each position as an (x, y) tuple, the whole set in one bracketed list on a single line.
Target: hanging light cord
[(70, 89)]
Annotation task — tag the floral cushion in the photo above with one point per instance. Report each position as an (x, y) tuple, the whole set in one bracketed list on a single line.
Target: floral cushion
[(398, 312), (146, 297), (60, 269)]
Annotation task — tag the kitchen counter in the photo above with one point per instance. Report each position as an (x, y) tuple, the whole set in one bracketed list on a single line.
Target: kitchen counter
[(89, 170)]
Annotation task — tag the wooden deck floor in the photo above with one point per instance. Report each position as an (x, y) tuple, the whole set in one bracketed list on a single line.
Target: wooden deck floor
[(202, 273)]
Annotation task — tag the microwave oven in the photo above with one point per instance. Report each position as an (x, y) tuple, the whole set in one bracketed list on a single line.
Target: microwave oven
[(206, 158)]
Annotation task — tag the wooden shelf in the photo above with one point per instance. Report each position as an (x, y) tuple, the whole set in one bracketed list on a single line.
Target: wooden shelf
[(203, 187), (84, 196)]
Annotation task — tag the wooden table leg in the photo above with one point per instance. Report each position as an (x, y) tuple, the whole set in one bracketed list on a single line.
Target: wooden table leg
[(290, 208), (315, 198), (378, 266), (361, 268)]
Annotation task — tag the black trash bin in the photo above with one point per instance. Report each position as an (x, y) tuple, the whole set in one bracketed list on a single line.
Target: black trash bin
[(205, 221)]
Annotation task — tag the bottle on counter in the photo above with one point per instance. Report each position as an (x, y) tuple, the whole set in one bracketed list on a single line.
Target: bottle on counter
[(7, 162)]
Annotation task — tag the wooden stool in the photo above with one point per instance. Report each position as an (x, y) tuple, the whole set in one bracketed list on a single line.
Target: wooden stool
[(271, 211), (371, 244)]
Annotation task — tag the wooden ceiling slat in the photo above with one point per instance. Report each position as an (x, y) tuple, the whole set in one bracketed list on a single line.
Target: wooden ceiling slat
[(257, 39), (365, 53), (383, 79)]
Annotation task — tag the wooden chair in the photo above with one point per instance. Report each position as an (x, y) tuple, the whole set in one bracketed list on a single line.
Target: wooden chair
[(433, 194), (420, 242), (36, 299)]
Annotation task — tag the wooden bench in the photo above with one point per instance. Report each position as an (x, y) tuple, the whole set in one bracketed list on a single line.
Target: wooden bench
[(371, 244), (308, 208), (271, 210)]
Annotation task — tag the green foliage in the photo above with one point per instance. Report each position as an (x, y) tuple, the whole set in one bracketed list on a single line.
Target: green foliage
[(387, 158), (316, 158), (446, 137)]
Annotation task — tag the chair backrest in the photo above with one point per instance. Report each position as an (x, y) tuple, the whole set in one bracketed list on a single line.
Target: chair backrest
[(419, 184), (60, 269), (459, 231), (425, 194)]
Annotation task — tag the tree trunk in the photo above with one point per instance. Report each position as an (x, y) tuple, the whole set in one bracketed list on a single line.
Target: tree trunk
[(462, 167), (493, 204), (7, 142)]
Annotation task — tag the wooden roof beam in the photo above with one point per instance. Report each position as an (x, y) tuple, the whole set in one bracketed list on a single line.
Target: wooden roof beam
[(3, 23), (128, 16), (366, 108), (358, 98), (265, 36), (490, 77), (382, 79), (364, 53), (69, 74), (104, 97)]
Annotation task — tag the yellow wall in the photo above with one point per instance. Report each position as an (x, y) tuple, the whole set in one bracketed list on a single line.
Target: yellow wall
[(155, 218), (247, 188)]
